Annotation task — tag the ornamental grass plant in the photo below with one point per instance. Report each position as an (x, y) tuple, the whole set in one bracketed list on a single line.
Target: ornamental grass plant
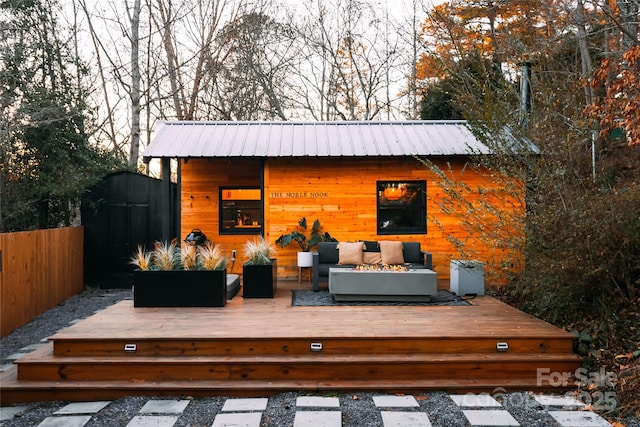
[(259, 251), (170, 257), (212, 257)]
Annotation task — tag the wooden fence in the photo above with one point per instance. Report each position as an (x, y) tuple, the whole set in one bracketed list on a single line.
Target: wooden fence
[(38, 270)]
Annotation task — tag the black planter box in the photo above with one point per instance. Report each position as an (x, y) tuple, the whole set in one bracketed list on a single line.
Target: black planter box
[(201, 288), (259, 281)]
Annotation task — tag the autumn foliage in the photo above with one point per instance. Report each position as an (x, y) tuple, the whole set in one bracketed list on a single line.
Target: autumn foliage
[(582, 246), (619, 106)]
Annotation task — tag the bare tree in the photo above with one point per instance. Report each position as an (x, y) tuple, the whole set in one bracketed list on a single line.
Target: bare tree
[(345, 69), (407, 25), (254, 69), (188, 38), (629, 10), (585, 55), (115, 35), (134, 93)]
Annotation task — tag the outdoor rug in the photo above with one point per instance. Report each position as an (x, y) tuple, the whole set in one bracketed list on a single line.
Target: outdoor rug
[(307, 298)]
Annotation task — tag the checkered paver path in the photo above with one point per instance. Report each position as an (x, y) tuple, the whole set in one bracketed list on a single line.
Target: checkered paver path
[(323, 411)]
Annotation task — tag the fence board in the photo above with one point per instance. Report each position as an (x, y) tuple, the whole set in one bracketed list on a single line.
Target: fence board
[(40, 269)]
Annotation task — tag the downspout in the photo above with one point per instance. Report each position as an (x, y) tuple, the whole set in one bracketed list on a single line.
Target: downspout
[(165, 200), (265, 204), (177, 202)]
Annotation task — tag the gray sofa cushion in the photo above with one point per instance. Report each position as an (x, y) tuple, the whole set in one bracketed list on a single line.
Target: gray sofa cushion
[(328, 252), (371, 246), (328, 255), (411, 252)]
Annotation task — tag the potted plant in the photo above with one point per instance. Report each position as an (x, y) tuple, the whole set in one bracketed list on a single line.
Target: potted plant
[(305, 258), (259, 272), (189, 276)]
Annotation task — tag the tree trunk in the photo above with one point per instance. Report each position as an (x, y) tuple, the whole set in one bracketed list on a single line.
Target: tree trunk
[(585, 55), (172, 60), (134, 19)]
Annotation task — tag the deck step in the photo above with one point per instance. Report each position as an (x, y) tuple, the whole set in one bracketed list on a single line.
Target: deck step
[(256, 347), (42, 364), (15, 391), (348, 345)]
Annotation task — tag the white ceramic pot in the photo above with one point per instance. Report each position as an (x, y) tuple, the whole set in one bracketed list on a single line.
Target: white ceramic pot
[(305, 259)]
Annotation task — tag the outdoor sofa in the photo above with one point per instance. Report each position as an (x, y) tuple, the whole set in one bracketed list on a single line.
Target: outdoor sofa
[(328, 256)]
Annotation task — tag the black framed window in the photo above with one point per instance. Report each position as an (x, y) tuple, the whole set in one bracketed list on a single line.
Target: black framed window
[(402, 207), (240, 210)]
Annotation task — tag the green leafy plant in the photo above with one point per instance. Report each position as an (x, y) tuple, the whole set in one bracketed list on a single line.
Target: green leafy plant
[(300, 238), (259, 251)]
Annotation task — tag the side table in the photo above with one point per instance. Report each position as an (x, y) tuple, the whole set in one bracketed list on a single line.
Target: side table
[(301, 269)]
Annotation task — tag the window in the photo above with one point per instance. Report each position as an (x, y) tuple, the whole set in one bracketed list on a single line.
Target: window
[(402, 207), (240, 210)]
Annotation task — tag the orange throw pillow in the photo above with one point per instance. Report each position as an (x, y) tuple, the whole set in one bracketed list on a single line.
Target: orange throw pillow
[(350, 252), (371, 258), (391, 252)]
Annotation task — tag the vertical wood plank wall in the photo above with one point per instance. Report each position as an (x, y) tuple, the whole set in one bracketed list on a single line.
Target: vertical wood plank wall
[(40, 269), (341, 192), (199, 198)]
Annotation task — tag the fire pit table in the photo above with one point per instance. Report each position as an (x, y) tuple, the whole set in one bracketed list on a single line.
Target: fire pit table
[(351, 284)]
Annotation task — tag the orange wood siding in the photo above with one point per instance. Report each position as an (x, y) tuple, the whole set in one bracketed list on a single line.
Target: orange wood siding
[(341, 192), (201, 180), (40, 269)]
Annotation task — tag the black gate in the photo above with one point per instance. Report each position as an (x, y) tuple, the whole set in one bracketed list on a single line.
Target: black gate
[(121, 212)]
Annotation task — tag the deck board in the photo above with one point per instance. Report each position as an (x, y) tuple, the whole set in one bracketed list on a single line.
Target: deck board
[(276, 318), (262, 346)]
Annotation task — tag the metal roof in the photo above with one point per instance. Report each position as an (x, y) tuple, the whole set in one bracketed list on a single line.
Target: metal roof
[(189, 139)]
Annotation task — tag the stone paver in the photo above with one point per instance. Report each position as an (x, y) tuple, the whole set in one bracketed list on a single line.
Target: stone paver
[(475, 400), (320, 411), (490, 417), (388, 401), (153, 421), (164, 407), (31, 347), (8, 412), (318, 419), (241, 405), (559, 401), (317, 402), (405, 419), (67, 421), (15, 356), (247, 419), (82, 408), (579, 419)]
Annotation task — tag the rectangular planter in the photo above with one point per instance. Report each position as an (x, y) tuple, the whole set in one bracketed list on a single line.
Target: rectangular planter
[(202, 288), (259, 281), (467, 277)]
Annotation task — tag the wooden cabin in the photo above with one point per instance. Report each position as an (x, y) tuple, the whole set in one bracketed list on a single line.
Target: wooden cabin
[(362, 180)]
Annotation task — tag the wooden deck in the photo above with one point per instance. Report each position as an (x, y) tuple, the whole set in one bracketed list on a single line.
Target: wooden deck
[(264, 346)]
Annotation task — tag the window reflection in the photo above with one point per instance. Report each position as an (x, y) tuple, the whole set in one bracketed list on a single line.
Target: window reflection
[(240, 210), (401, 207)]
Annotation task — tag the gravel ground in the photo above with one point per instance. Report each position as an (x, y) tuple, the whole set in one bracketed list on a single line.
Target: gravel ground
[(358, 409)]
